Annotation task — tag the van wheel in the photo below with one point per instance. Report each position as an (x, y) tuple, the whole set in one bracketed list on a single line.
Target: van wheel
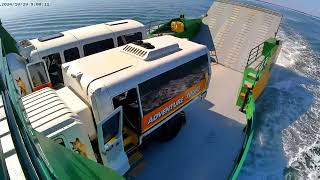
[(171, 128)]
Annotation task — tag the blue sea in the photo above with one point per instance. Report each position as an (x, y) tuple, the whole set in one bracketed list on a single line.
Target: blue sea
[(286, 144)]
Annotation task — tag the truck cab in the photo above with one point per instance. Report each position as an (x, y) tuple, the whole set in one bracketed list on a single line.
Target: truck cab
[(125, 95)]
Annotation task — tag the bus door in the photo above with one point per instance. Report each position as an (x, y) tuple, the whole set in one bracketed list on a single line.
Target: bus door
[(38, 75), (110, 142)]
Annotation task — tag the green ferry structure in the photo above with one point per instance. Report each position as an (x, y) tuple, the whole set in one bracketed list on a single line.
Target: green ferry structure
[(95, 112)]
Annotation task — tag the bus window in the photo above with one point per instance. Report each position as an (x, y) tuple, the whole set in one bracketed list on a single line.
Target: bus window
[(98, 46), (160, 89), (38, 75), (53, 62), (129, 38), (71, 54)]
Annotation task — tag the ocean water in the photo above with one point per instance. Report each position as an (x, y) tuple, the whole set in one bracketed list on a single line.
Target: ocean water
[(287, 137)]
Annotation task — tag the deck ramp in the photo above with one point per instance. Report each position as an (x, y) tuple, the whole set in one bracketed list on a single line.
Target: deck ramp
[(236, 28)]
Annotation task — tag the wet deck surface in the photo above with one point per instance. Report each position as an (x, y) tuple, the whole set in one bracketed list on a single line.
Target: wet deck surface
[(208, 144)]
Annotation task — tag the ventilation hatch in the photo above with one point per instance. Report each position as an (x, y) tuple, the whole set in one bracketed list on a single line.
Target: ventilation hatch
[(148, 51), (134, 50)]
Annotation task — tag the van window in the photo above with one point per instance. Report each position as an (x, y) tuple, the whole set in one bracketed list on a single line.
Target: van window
[(52, 57), (53, 62), (98, 46), (38, 74), (160, 89), (129, 38), (110, 128), (71, 54)]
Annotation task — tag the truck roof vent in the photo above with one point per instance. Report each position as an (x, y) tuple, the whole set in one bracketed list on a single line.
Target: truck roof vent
[(147, 51), (134, 50)]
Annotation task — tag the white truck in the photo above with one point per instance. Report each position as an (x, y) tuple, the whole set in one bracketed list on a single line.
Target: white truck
[(115, 100), (39, 62)]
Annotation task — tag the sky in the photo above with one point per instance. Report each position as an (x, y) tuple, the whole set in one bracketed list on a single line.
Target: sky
[(308, 6)]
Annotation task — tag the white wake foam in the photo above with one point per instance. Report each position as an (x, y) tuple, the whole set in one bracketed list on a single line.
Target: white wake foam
[(301, 140), (292, 46), (288, 116)]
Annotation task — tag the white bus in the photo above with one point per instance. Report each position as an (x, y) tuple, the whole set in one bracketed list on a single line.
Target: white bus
[(46, 54), (134, 92)]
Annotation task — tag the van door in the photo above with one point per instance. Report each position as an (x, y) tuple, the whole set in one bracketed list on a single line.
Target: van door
[(38, 75), (111, 142)]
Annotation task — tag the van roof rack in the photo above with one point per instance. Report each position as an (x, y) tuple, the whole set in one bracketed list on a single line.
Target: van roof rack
[(50, 37), (117, 23)]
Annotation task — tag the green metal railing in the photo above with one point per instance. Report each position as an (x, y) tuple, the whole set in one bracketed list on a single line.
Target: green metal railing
[(266, 50), (255, 54), (249, 110), (261, 56)]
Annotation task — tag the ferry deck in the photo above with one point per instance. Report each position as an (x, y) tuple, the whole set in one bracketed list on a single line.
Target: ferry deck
[(208, 145)]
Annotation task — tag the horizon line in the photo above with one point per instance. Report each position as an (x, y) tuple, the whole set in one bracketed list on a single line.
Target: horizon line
[(295, 10)]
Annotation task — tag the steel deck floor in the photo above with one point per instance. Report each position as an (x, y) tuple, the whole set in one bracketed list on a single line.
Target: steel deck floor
[(208, 144)]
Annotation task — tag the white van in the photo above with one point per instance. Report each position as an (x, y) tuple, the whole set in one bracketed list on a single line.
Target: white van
[(122, 97), (43, 56)]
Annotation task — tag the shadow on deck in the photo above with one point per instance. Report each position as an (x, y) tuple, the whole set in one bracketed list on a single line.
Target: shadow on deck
[(205, 148)]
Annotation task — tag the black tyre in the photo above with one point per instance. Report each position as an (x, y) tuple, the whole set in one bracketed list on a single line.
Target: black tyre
[(170, 129)]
